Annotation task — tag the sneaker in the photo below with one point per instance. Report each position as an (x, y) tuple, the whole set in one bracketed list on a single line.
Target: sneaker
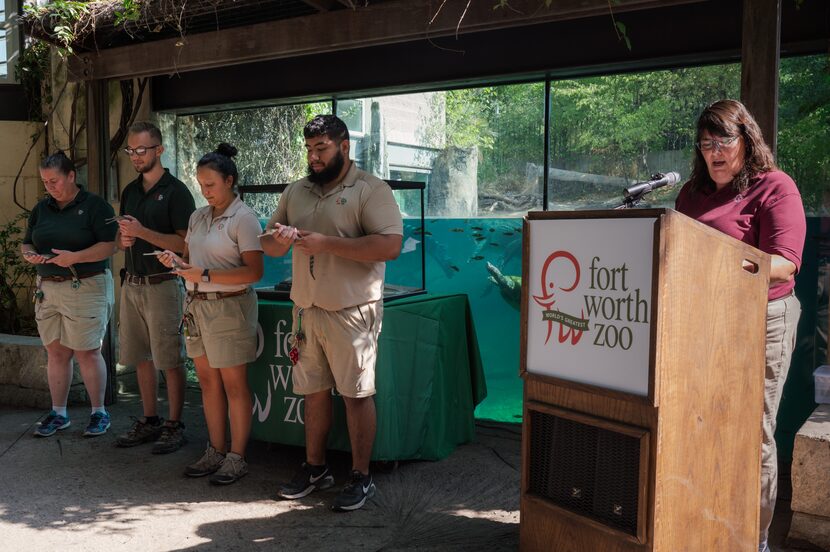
[(305, 482), (354, 495), (171, 438), (231, 470), (206, 465), (141, 432), (51, 424), (99, 423)]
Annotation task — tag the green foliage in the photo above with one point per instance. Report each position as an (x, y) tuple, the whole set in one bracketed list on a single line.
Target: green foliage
[(469, 113), (32, 72), (16, 280), (128, 11), (804, 128), (270, 143), (61, 17)]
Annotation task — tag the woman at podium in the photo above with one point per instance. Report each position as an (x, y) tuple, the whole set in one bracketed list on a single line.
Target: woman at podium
[(735, 187)]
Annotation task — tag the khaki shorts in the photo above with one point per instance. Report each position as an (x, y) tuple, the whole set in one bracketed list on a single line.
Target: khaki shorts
[(227, 330), (149, 324), (339, 350), (77, 318)]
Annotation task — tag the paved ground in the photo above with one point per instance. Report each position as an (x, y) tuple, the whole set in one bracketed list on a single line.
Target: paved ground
[(68, 492)]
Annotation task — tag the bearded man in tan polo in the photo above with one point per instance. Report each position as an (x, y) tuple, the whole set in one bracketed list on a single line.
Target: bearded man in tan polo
[(343, 224)]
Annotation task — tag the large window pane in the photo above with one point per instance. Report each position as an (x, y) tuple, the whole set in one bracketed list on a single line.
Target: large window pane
[(804, 128), (480, 152), (610, 132), (269, 140)]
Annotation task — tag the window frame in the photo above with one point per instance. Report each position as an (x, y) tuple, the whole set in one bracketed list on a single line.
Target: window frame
[(11, 8)]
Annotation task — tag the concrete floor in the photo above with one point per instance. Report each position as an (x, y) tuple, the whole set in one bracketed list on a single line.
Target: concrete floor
[(68, 492)]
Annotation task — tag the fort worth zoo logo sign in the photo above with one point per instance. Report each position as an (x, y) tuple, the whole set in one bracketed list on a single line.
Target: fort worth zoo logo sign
[(589, 301), (612, 314)]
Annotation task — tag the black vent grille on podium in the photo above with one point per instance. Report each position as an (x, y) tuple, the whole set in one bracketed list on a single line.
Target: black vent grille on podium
[(585, 469)]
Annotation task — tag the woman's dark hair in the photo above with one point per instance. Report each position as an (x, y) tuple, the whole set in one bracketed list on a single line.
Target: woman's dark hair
[(732, 118), (221, 161), (59, 161)]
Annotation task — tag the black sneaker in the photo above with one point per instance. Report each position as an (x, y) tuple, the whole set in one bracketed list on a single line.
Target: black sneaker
[(171, 439), (140, 432), (305, 481), (354, 495)]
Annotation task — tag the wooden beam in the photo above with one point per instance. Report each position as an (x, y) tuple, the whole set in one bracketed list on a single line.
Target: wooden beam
[(322, 5), (760, 60), (386, 23)]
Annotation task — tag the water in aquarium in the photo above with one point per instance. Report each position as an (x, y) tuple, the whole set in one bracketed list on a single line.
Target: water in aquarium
[(481, 257)]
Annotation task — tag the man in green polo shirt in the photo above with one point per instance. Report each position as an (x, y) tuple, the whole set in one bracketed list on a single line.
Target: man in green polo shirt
[(155, 209)]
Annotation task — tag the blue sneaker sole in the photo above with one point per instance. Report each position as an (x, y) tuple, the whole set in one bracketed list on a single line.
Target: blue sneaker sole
[(39, 433), (96, 432)]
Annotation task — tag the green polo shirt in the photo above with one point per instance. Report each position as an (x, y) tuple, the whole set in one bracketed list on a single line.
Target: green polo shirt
[(78, 226), (164, 208)]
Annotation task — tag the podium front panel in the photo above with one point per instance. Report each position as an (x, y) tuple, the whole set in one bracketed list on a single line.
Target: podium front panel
[(589, 301)]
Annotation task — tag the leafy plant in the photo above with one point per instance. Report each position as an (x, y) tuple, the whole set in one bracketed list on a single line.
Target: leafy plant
[(62, 17), (16, 280), (32, 72)]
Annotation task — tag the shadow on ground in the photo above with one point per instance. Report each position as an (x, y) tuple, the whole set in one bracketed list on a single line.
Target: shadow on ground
[(70, 492)]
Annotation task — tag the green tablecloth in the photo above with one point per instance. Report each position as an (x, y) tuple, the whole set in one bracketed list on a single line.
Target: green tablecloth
[(429, 378)]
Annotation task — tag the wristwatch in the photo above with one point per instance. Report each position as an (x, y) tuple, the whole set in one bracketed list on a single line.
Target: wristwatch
[(206, 276)]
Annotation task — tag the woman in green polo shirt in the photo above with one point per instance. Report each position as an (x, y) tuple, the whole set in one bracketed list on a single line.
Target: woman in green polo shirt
[(69, 240)]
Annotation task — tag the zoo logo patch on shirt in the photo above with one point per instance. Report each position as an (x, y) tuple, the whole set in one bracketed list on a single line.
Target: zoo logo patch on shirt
[(341, 200)]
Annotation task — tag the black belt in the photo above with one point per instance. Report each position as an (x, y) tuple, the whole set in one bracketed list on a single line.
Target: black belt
[(141, 280), (57, 278), (213, 295)]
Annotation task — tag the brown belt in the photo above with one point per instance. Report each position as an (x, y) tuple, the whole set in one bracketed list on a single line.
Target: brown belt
[(212, 296), (141, 280), (69, 278)]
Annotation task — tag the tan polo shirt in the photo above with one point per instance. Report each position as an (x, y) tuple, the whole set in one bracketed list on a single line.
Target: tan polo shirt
[(219, 242), (360, 205)]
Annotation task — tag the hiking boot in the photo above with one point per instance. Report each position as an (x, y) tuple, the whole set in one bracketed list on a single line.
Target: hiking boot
[(305, 481), (354, 495), (206, 465), (231, 470), (141, 432), (53, 423), (171, 439), (98, 424)]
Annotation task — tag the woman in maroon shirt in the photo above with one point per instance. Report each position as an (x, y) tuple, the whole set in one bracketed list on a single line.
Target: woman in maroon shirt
[(736, 188)]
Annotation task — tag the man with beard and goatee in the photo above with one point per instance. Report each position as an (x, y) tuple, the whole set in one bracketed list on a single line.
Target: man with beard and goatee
[(155, 209), (343, 224)]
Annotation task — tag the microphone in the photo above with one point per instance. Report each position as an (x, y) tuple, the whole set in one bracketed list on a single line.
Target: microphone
[(657, 181)]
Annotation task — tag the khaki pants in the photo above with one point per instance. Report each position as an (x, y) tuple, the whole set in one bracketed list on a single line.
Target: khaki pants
[(782, 321)]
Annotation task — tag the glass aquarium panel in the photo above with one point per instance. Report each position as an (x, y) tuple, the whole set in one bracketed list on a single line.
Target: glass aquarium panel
[(478, 150), (609, 132)]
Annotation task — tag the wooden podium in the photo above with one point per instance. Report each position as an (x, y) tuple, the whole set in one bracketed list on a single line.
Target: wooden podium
[(643, 359)]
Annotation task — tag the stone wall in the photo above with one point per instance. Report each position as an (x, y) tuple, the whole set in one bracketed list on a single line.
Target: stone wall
[(811, 482), (23, 374)]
